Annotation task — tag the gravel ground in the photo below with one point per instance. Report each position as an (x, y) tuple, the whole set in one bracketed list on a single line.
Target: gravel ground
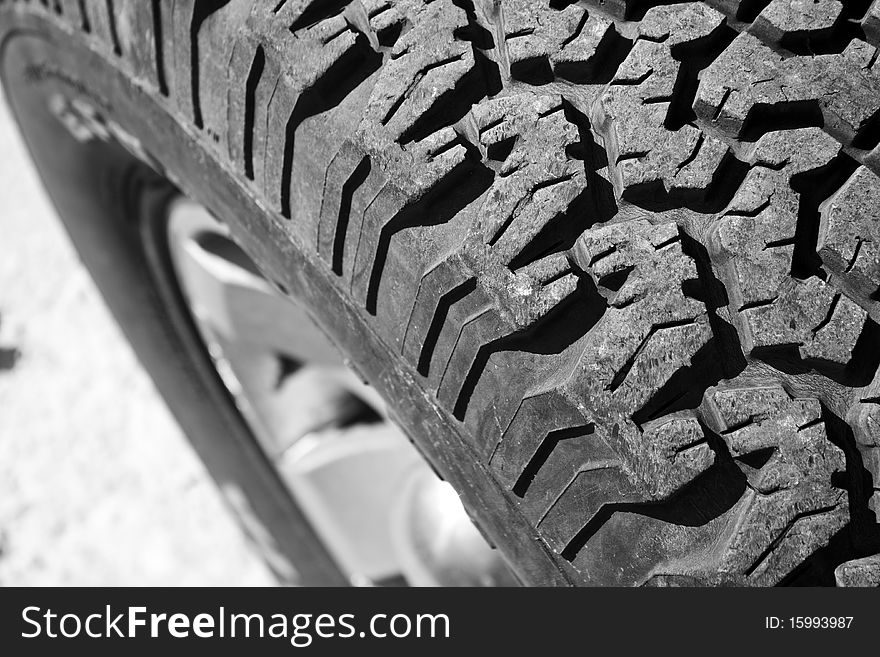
[(97, 484)]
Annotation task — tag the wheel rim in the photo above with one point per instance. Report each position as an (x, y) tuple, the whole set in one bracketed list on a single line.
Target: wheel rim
[(372, 499)]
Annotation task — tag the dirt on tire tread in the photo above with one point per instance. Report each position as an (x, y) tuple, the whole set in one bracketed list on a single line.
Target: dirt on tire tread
[(628, 245)]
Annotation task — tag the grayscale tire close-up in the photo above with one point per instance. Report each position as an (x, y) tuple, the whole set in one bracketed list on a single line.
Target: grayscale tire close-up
[(490, 292)]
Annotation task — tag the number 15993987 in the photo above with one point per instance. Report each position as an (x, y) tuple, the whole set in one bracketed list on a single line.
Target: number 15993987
[(808, 622)]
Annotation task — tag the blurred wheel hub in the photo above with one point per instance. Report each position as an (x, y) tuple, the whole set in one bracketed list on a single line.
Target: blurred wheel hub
[(373, 500)]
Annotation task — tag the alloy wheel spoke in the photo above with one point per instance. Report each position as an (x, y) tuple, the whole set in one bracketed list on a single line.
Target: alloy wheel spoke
[(240, 305), (363, 486)]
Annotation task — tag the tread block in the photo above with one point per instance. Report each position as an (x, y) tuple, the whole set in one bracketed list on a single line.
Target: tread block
[(344, 176), (567, 43), (460, 314), (425, 65), (441, 286), (582, 501), (101, 18), (538, 415), (638, 116), (849, 238), (650, 330), (781, 444), (250, 89), (309, 68), (812, 315), (477, 334), (214, 52), (652, 327), (774, 91), (72, 13), (677, 452), (871, 23), (866, 429), (859, 572), (756, 244), (786, 21), (136, 23), (392, 211)]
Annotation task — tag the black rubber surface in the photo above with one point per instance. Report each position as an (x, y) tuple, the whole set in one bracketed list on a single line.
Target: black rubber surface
[(615, 264)]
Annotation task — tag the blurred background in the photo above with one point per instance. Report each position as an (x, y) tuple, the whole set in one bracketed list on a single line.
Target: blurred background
[(97, 484)]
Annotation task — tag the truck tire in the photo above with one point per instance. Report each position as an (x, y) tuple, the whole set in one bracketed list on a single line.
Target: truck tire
[(614, 265)]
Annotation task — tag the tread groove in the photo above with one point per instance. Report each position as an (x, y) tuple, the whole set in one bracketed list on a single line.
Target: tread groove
[(201, 11), (159, 46), (86, 24), (253, 79), (548, 444), (439, 320), (357, 178), (111, 19), (814, 187)]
